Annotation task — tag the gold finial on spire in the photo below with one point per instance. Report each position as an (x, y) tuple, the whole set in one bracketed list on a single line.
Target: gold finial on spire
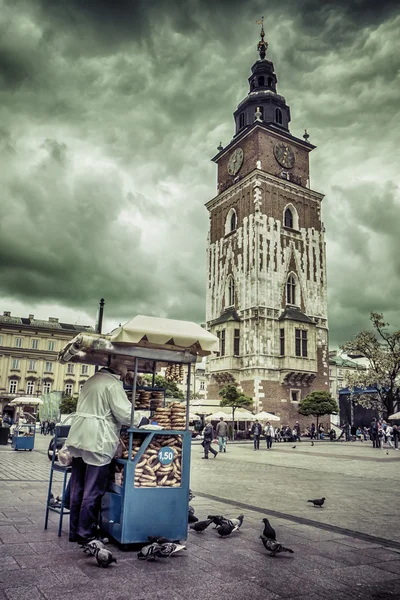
[(262, 44)]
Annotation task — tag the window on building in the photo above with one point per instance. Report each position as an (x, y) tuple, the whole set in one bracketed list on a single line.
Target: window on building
[(1, 340), (85, 369), (288, 218), (32, 365), (30, 387), (301, 342), (233, 221), (278, 116), (52, 346), (294, 395), (47, 387), (231, 292), (202, 385), (35, 344), (236, 342), (222, 343), (69, 389), (12, 387), (15, 363), (270, 82), (282, 342), (18, 342), (241, 120), (70, 368), (49, 367), (291, 290), (80, 387), (261, 81)]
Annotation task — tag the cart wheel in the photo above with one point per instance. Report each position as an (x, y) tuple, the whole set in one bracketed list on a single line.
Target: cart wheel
[(30, 449)]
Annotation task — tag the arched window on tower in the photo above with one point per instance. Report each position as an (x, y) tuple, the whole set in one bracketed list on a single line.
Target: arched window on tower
[(253, 84), (242, 120), (261, 81), (270, 82), (291, 290), (278, 116), (233, 221), (288, 218), (231, 292)]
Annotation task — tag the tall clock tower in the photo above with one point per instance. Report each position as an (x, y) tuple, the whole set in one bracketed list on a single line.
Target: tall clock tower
[(266, 285)]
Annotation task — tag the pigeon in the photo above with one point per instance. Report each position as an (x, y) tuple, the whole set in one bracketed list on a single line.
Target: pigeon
[(317, 502), (293, 447), (220, 520), (226, 529), (158, 540), (92, 546), (104, 557), (148, 552), (387, 452), (168, 548), (238, 522), (274, 547), (312, 443), (269, 532), (201, 526), (191, 516), (191, 495)]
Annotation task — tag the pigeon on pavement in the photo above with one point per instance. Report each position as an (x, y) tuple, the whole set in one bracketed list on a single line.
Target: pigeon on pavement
[(317, 502), (269, 532), (219, 520), (293, 447), (274, 547), (104, 557), (148, 552), (312, 443), (92, 546), (158, 540), (226, 529), (201, 526), (167, 549), (238, 522)]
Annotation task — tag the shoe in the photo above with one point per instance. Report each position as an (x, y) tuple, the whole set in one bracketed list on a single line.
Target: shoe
[(215, 454), (224, 449), (204, 457)]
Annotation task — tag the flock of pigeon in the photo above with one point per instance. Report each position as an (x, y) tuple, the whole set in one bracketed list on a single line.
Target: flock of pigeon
[(161, 547)]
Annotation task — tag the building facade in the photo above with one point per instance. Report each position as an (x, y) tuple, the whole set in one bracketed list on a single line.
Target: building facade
[(29, 349), (340, 367), (266, 284)]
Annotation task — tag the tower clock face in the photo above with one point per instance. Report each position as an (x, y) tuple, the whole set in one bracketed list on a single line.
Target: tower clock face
[(235, 161), (284, 155)]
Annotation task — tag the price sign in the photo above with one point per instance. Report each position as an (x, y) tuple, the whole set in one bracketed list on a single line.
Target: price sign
[(166, 455)]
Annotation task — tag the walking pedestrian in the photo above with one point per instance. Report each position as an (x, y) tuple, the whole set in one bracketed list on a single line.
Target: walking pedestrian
[(313, 433), (321, 431), (296, 432), (256, 431), (92, 442), (373, 429), (396, 435), (208, 436), (269, 434), (222, 433)]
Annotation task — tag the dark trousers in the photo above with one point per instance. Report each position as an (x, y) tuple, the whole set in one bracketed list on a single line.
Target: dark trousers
[(269, 441), (208, 448), (256, 442), (376, 442), (88, 485)]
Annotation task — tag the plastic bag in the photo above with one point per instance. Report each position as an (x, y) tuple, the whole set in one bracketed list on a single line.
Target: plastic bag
[(64, 457)]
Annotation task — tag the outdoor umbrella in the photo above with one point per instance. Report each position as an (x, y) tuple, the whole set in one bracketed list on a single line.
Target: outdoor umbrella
[(193, 417), (21, 400), (266, 416), (395, 416)]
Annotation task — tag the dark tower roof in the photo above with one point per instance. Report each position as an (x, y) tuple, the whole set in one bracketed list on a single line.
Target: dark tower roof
[(263, 103)]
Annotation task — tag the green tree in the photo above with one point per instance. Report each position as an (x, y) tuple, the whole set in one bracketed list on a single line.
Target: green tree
[(171, 389), (232, 397), (68, 405), (382, 351), (318, 404)]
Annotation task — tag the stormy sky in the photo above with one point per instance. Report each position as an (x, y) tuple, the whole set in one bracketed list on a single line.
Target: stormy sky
[(110, 111)]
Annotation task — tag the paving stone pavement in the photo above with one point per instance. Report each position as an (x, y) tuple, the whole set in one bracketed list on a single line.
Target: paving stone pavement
[(327, 563)]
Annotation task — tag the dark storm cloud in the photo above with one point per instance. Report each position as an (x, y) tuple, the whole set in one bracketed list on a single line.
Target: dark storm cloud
[(110, 113)]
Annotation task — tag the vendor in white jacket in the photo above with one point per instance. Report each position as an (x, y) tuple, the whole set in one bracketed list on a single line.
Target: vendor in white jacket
[(92, 441)]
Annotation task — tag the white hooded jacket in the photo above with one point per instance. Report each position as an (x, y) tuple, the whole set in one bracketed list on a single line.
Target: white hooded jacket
[(102, 408)]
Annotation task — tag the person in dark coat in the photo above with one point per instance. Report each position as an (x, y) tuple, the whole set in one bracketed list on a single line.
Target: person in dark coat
[(373, 429), (256, 431), (208, 436)]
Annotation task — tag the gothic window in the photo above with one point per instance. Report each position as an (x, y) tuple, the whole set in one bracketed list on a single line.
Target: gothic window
[(241, 120), (278, 116), (236, 342), (202, 385), (288, 218), (282, 342), (13, 386), (231, 221), (261, 81), (222, 343), (301, 342), (231, 292), (291, 290), (270, 82)]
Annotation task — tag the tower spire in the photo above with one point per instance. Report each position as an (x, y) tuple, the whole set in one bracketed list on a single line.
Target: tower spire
[(262, 44)]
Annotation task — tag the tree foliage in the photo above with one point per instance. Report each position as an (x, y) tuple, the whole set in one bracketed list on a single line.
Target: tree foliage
[(171, 388), (318, 404), (381, 348), (232, 397), (68, 405)]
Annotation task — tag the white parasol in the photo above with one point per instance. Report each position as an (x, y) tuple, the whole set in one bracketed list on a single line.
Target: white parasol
[(266, 416), (395, 416), (24, 400), (240, 415), (193, 417)]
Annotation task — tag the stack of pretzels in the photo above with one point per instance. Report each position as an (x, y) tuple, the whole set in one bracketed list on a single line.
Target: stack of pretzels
[(163, 417), (178, 415), (157, 400), (175, 373)]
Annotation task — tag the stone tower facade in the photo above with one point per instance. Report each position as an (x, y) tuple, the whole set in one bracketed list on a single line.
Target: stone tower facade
[(266, 285)]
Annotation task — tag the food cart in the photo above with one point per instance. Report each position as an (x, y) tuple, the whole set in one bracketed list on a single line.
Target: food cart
[(23, 434), (149, 490)]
